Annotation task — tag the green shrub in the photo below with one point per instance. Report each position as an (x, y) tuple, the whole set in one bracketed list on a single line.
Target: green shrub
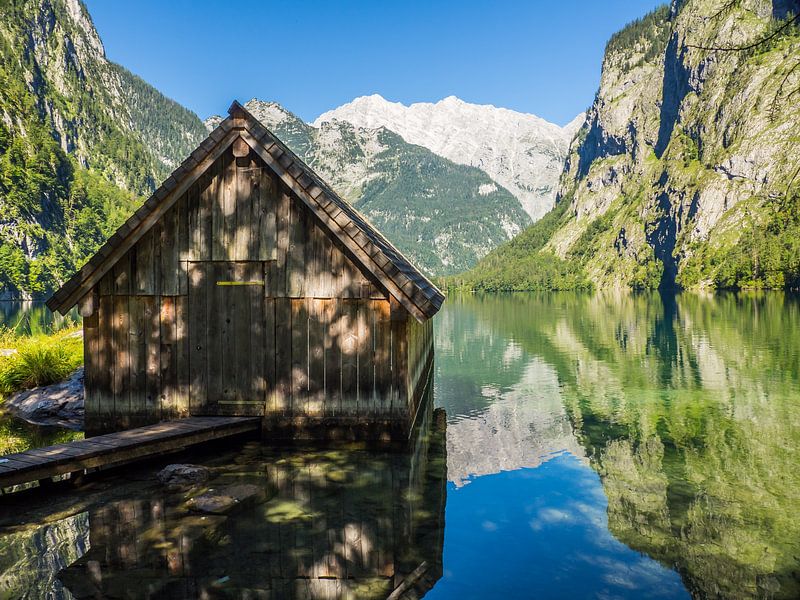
[(647, 275), (39, 360)]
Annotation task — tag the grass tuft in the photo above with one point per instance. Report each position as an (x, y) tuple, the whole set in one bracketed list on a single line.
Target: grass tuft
[(39, 360)]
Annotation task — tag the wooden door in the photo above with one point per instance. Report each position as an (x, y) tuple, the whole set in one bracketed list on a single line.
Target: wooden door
[(227, 338)]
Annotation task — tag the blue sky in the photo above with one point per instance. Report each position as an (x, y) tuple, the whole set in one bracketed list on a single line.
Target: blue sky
[(537, 56)]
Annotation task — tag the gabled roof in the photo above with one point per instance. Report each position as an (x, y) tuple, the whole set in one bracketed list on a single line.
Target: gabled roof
[(368, 247)]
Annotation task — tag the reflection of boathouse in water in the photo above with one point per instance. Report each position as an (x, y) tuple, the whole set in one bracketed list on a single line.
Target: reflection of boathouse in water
[(338, 524), (246, 287)]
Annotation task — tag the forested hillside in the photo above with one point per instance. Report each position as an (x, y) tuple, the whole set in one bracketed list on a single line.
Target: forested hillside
[(686, 173), (81, 140)]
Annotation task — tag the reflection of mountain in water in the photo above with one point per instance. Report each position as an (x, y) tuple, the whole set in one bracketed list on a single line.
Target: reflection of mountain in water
[(689, 410), (522, 426), (702, 434)]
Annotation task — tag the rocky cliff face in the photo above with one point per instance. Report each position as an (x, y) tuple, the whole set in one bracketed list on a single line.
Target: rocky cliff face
[(686, 171), (521, 152), (442, 215), (96, 109), (80, 139)]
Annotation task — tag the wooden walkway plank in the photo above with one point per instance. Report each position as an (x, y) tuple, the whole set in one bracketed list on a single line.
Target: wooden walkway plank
[(120, 447)]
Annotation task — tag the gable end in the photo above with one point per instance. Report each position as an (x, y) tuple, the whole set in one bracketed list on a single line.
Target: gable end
[(371, 252)]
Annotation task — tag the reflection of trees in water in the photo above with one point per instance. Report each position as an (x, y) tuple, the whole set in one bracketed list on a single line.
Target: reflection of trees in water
[(16, 435), (338, 523), (688, 408), (32, 318)]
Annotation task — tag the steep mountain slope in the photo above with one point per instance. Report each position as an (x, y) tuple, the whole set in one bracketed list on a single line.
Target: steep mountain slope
[(686, 172), (521, 152), (80, 139), (442, 215)]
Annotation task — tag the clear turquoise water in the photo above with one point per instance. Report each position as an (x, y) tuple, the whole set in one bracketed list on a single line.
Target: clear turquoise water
[(621, 446), (591, 446)]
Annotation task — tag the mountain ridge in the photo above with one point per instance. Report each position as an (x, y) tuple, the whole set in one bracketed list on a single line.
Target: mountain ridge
[(81, 140), (685, 173), (519, 151)]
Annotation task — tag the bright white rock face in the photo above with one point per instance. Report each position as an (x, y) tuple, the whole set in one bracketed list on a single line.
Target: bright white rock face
[(522, 152), (212, 122)]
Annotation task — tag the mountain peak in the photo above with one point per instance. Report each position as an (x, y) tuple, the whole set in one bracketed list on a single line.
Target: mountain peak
[(271, 114), (79, 16), (373, 97), (573, 126), (522, 152)]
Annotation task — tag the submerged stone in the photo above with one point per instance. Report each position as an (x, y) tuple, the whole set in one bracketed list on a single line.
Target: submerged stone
[(183, 475), (227, 499)]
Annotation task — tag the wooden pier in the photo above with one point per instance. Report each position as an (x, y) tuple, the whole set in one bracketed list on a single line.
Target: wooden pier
[(114, 449)]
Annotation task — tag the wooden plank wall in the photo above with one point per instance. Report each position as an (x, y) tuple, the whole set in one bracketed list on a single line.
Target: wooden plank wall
[(312, 337), (419, 338), (332, 369)]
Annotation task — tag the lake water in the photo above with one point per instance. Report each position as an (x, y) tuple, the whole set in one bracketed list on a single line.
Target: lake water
[(31, 318), (589, 446)]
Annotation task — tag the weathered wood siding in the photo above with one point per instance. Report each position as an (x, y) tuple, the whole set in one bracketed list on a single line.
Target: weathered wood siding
[(238, 302), (419, 338)]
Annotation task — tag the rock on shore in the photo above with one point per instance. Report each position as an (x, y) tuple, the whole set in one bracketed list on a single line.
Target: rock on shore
[(59, 404)]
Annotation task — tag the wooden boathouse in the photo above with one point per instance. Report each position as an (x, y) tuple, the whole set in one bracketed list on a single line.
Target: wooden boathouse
[(244, 286)]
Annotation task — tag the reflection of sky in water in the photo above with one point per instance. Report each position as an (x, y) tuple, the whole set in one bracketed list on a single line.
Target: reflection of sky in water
[(526, 515), (542, 532)]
